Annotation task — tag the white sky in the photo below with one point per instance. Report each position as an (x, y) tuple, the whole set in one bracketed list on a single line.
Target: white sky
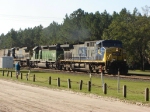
[(22, 14)]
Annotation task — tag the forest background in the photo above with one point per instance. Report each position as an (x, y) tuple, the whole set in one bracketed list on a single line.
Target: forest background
[(133, 29)]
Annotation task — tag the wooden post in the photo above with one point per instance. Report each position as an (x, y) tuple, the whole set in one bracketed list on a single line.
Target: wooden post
[(11, 74), (34, 78), (89, 85), (69, 83), (58, 82), (50, 80), (102, 79), (90, 77), (17, 75), (80, 87), (146, 94), (118, 84), (124, 91), (3, 73), (21, 75), (27, 76), (105, 88), (7, 73)]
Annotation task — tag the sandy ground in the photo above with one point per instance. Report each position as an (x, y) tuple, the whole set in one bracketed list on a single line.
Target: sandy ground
[(19, 97)]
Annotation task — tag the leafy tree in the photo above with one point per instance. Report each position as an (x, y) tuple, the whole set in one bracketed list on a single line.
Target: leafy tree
[(37, 32), (133, 31), (131, 28)]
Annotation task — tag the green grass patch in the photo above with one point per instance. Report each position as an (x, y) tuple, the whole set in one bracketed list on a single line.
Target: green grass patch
[(146, 72), (135, 88)]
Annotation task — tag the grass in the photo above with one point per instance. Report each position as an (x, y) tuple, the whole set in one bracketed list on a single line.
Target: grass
[(135, 89), (146, 72)]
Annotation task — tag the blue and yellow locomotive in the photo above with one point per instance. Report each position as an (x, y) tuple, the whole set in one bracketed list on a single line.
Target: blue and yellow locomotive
[(93, 56)]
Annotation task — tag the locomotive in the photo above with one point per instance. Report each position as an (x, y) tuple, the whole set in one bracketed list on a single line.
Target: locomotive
[(46, 56), (93, 56), (19, 55)]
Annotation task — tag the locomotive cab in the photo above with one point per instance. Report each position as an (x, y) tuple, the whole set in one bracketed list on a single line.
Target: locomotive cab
[(113, 55)]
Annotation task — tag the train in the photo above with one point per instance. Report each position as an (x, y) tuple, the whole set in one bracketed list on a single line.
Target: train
[(93, 56), (21, 55), (107, 56)]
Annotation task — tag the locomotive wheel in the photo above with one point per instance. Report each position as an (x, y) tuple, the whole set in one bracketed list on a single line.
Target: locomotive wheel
[(64, 69), (68, 69), (110, 71), (97, 71), (123, 72), (91, 71)]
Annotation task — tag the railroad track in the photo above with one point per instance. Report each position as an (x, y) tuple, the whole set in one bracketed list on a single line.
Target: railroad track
[(134, 77), (129, 76)]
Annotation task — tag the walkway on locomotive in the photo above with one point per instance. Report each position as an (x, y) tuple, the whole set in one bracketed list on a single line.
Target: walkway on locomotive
[(96, 51)]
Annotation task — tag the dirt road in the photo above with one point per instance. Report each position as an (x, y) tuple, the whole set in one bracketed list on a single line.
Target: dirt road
[(19, 97)]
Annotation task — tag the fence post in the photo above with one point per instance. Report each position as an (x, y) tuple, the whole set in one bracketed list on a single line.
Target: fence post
[(146, 94), (69, 83), (21, 75), (3, 73), (105, 88), (50, 80), (34, 78), (118, 83), (27, 76), (124, 91), (90, 77), (89, 85), (80, 87), (58, 82), (102, 79), (17, 75), (7, 73), (11, 74)]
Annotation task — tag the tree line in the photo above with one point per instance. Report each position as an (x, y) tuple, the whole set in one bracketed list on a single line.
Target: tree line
[(133, 29)]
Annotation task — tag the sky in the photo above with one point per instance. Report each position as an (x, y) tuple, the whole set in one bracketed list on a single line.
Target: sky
[(16, 14)]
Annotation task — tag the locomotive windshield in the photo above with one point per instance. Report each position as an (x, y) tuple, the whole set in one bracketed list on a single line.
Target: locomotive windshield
[(111, 43)]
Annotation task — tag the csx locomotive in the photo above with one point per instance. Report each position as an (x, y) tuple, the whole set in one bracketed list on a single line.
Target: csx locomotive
[(93, 56)]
